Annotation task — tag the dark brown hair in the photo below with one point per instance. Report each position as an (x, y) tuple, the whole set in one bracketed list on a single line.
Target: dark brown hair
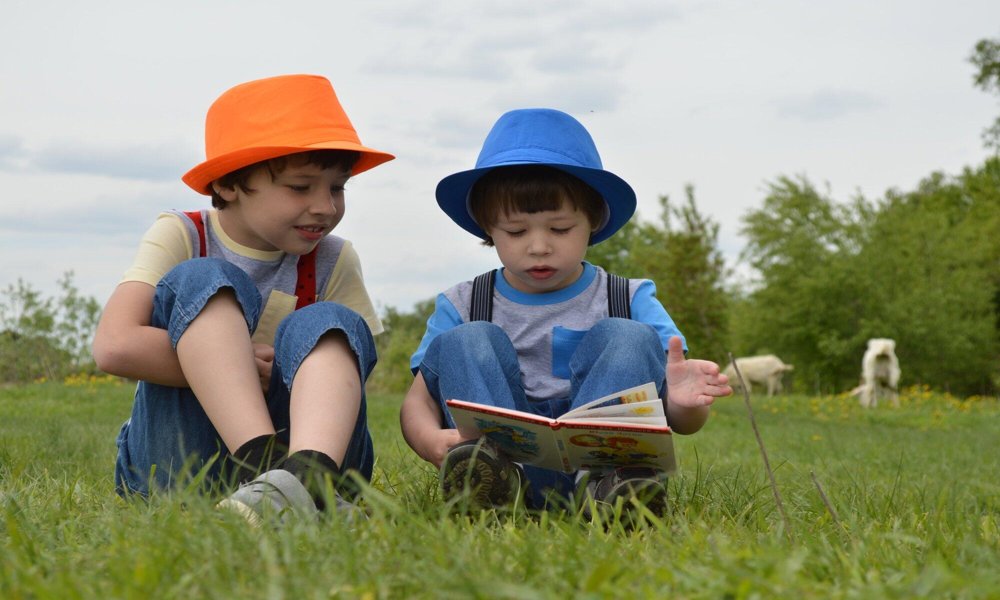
[(324, 159), (531, 189)]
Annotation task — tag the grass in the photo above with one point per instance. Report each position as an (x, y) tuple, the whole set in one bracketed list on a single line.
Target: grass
[(915, 489)]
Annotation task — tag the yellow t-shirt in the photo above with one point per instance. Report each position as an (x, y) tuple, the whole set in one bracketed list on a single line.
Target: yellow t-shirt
[(168, 242)]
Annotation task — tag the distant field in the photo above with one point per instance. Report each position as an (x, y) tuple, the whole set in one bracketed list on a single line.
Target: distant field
[(916, 492)]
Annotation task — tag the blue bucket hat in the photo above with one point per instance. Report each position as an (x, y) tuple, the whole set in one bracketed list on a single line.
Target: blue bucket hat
[(540, 136)]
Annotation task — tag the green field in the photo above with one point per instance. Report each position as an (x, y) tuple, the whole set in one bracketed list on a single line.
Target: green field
[(913, 511)]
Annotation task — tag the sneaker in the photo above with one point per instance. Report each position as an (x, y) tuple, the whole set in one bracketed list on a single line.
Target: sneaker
[(275, 494), (477, 467), (648, 486)]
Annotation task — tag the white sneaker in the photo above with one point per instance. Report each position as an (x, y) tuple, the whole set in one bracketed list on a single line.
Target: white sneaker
[(275, 494)]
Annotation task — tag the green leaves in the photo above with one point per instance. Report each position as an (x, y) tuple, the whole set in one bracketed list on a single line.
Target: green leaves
[(679, 253), (45, 337), (986, 58), (919, 267)]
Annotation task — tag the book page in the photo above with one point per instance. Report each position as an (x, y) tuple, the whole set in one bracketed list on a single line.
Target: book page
[(637, 394), (648, 410), (602, 446), (522, 437)]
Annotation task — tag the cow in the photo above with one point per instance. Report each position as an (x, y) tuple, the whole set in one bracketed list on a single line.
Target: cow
[(767, 369), (879, 373)]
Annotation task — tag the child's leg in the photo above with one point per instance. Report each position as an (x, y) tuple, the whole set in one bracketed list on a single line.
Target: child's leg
[(475, 362), (169, 427), (614, 355), (324, 353), (217, 359), (325, 398)]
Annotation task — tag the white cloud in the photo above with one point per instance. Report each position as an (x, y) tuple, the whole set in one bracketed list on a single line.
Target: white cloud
[(827, 104), (149, 163)]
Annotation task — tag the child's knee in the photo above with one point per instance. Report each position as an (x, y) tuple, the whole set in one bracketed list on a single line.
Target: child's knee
[(476, 336), (185, 290), (300, 332), (191, 273), (623, 332)]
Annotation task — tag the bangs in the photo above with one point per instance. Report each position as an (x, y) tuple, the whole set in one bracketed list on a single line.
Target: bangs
[(531, 189)]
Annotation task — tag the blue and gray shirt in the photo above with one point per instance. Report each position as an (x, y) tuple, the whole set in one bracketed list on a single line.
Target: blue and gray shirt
[(547, 328)]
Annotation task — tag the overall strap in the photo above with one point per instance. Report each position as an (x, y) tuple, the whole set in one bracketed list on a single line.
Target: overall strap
[(481, 308), (199, 224), (618, 300), (305, 284)]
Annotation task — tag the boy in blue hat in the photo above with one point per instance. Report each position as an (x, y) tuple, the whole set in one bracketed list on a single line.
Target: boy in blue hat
[(544, 333)]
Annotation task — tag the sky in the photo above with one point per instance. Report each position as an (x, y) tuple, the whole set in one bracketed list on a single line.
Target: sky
[(102, 108)]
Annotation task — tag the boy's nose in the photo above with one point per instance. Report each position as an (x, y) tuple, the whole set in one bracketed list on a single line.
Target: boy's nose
[(325, 202), (539, 245)]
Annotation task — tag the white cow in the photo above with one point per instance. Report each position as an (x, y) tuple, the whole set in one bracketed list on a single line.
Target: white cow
[(879, 373), (767, 369)]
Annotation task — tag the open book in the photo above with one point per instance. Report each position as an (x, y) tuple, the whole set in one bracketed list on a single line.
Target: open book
[(627, 428)]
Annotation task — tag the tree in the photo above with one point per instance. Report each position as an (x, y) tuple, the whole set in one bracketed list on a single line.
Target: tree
[(45, 337), (931, 284), (986, 58), (805, 304), (402, 335), (920, 267), (679, 253)]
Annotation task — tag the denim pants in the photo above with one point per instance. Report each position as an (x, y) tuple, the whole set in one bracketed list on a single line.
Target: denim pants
[(169, 438), (477, 362)]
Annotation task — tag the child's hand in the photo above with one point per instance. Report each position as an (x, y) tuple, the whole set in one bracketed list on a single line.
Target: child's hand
[(437, 443), (693, 382), (263, 356)]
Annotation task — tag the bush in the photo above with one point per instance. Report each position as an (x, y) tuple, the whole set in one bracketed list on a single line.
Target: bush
[(45, 337)]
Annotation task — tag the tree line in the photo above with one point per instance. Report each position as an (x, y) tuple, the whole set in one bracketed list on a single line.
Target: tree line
[(921, 267)]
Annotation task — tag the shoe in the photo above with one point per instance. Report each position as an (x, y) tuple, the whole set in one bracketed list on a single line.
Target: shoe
[(273, 495), (476, 467), (648, 486)]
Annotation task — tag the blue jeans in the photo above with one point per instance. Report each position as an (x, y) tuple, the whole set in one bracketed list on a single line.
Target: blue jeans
[(169, 437), (478, 363)]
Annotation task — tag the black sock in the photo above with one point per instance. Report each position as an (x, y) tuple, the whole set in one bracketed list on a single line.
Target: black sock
[(254, 457), (314, 468)]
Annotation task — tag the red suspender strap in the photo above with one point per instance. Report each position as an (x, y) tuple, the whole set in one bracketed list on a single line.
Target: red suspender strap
[(195, 216), (305, 286)]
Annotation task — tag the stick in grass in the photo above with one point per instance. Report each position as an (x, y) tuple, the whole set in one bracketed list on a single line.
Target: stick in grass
[(763, 451), (823, 497)]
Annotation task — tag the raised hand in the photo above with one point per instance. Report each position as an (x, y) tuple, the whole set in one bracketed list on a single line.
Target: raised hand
[(693, 382)]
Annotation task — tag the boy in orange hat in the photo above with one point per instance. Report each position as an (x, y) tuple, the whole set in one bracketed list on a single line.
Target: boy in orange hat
[(248, 326)]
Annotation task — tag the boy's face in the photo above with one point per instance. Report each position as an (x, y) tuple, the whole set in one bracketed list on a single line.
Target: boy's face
[(292, 213), (543, 251)]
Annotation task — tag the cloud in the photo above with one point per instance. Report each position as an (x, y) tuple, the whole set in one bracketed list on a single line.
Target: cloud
[(575, 95), (559, 59), (825, 105), (457, 130), (145, 163), (129, 208), (11, 152), (627, 16)]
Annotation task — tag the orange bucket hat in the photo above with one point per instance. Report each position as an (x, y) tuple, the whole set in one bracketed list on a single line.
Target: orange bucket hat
[(273, 117)]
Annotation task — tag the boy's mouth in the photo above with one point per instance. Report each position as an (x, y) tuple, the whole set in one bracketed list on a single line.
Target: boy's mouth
[(541, 272), (311, 232)]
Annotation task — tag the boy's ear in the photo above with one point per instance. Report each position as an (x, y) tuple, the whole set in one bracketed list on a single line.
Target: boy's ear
[(226, 193)]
